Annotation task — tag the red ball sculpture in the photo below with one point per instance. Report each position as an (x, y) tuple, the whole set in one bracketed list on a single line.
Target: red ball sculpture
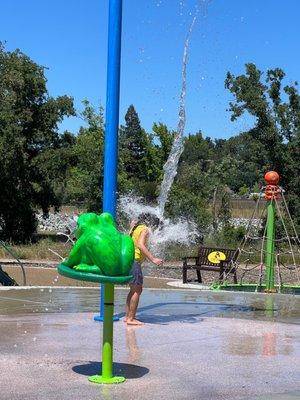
[(272, 178)]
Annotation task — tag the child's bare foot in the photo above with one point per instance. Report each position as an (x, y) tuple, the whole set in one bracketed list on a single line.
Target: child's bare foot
[(134, 322), (125, 319)]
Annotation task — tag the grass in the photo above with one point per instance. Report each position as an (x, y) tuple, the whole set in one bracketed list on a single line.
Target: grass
[(38, 250), (242, 208)]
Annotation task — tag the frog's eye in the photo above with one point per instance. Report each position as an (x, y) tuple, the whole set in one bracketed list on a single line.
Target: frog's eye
[(106, 218)]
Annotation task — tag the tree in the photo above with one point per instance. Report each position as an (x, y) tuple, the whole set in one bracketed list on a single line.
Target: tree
[(133, 146), (277, 123), (248, 160), (165, 137), (85, 177), (198, 149), (29, 120), (183, 203), (55, 164)]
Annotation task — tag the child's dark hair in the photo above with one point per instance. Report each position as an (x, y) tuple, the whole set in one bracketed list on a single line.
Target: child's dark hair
[(149, 219)]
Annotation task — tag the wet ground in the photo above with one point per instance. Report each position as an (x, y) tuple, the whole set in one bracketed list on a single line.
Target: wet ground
[(43, 275), (194, 345), (40, 272)]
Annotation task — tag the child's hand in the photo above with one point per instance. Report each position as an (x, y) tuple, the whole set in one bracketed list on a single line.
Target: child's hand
[(157, 261)]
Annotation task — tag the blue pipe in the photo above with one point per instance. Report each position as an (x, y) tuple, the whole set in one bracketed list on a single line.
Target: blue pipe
[(112, 118)]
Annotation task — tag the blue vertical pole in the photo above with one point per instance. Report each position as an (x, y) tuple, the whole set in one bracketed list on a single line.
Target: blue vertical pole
[(112, 117)]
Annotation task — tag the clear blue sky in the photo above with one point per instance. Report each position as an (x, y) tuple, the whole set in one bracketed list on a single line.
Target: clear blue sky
[(69, 37)]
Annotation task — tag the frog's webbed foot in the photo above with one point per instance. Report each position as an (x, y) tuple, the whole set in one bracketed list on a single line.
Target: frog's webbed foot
[(94, 269)]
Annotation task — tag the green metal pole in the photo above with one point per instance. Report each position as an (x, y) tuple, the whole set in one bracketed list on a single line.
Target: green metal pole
[(270, 287), (269, 306), (107, 348)]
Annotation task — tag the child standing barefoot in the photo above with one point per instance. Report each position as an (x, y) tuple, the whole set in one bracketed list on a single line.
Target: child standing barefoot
[(139, 232)]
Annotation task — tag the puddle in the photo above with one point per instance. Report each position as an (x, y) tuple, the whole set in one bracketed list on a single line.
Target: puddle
[(156, 306)]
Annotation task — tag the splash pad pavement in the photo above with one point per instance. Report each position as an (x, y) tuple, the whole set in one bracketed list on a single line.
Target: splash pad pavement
[(194, 345)]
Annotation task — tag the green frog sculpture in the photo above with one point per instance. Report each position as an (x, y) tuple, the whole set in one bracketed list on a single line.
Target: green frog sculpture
[(100, 249)]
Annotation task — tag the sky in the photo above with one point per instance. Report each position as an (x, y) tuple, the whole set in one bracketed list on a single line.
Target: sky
[(69, 38)]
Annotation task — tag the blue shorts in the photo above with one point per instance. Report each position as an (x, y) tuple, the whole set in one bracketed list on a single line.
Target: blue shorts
[(136, 271)]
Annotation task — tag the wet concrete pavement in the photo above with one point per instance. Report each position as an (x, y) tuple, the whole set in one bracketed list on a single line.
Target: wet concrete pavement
[(194, 345)]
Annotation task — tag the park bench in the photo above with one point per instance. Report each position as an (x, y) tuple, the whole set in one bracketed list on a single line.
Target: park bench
[(211, 259)]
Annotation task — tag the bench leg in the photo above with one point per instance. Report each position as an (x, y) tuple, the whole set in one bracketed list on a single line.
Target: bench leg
[(199, 277), (235, 277), (222, 273)]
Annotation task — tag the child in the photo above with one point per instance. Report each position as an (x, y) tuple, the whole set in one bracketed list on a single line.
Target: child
[(139, 232)]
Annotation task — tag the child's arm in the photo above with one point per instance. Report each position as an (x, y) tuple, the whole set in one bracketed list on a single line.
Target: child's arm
[(142, 246)]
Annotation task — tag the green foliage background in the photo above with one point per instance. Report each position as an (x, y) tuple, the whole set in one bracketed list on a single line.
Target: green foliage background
[(41, 168)]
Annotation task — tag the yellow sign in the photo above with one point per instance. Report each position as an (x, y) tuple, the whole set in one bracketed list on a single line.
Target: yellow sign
[(216, 256)]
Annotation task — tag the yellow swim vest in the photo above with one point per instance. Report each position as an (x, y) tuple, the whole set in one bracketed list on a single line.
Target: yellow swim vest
[(138, 255)]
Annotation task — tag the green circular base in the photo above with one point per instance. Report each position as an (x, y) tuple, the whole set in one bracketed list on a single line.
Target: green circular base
[(252, 287), (101, 380), (89, 277)]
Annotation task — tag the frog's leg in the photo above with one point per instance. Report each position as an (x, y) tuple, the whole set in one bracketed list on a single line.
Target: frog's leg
[(94, 269), (127, 254), (105, 254), (75, 256)]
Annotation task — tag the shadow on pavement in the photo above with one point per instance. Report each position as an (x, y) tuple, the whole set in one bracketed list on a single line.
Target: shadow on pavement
[(162, 315), (129, 371)]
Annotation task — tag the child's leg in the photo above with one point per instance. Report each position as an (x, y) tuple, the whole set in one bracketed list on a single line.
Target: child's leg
[(127, 305), (136, 291)]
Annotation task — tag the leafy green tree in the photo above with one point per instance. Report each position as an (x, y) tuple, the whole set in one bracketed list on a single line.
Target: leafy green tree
[(142, 156), (29, 120), (243, 191), (133, 146), (257, 98), (276, 109), (292, 184), (165, 137), (224, 213), (55, 163), (194, 185), (186, 204), (247, 158), (198, 150), (85, 177)]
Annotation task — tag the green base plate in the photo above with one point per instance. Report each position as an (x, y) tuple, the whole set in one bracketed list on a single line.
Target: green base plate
[(89, 277), (252, 287), (101, 380)]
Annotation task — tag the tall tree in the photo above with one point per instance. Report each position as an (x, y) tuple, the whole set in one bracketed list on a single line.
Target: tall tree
[(276, 109), (85, 179), (133, 146), (165, 137), (29, 120)]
